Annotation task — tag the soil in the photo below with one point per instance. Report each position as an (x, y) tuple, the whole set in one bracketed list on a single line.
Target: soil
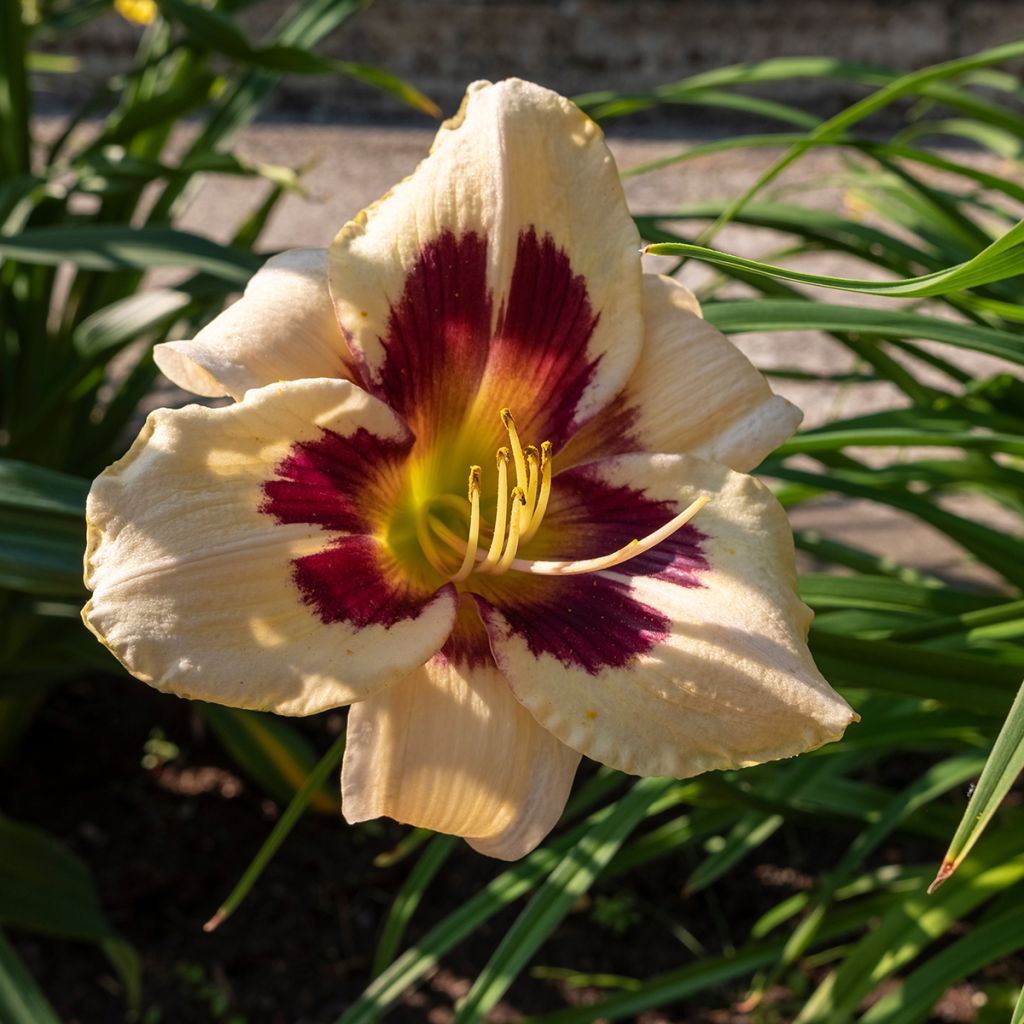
[(167, 843)]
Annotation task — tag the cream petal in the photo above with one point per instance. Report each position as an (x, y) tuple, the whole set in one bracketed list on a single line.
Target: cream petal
[(282, 328), (450, 749), (692, 391), (503, 272), (709, 666), (230, 559)]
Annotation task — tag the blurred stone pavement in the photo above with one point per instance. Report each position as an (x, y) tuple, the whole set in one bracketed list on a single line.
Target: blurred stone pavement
[(351, 165)]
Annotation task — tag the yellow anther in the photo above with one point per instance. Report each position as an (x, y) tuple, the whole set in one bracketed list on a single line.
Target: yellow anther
[(469, 558), (517, 449)]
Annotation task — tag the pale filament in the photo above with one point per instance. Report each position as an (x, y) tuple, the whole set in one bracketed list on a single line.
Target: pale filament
[(498, 537), (469, 559), (533, 476), (518, 516)]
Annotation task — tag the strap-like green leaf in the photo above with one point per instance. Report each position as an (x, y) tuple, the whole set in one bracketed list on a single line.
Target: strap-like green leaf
[(270, 751), (21, 999), (309, 789), (988, 941), (1002, 259), (784, 315), (113, 247), (564, 885), (1004, 764)]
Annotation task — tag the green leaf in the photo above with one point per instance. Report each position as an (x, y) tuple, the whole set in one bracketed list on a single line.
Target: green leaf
[(913, 83), (1003, 259), (52, 63), (21, 999), (1001, 551), (270, 751), (564, 885), (41, 491), (310, 788), (1018, 1010), (988, 941), (910, 927), (784, 315), (214, 30), (754, 828), (904, 669), (503, 890), (408, 898), (113, 247), (823, 590), (1004, 764), (42, 529), (106, 332), (45, 888), (15, 100)]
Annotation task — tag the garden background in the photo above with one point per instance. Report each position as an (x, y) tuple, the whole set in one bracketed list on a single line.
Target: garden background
[(861, 169)]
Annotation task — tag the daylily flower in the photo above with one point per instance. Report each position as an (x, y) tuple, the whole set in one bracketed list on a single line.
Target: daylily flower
[(485, 481)]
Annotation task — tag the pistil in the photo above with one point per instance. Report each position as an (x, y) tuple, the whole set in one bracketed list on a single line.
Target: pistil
[(630, 550)]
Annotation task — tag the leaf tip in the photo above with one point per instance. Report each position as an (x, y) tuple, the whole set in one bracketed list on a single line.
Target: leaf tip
[(944, 872), (216, 921)]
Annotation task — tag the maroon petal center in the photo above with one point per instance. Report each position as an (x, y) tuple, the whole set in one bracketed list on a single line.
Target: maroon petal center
[(594, 621), (449, 360), (347, 485)]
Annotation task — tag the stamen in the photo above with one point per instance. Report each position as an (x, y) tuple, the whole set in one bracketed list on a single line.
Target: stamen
[(533, 478), (498, 537), (517, 449), (631, 550), (545, 493), (515, 519), (469, 559)]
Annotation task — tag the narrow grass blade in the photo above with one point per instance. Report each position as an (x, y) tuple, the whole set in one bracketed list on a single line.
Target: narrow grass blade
[(1004, 258), (569, 880), (784, 315), (910, 927), (21, 999), (271, 752), (408, 898), (15, 103), (886, 667), (905, 85), (502, 891), (988, 941), (113, 247), (1004, 764), (295, 809)]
